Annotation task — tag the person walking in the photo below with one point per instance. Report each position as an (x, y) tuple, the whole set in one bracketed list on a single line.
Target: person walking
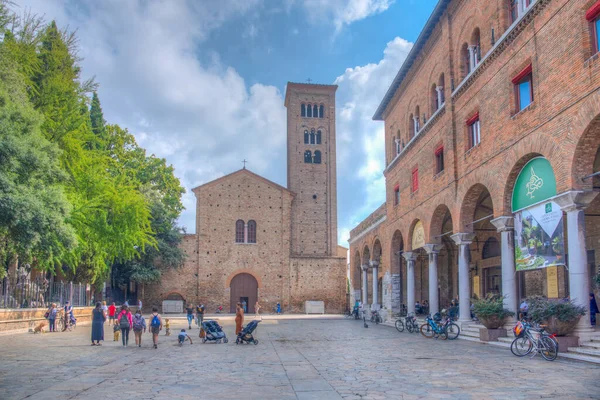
[(257, 310), (139, 326), (199, 314), (155, 325), (278, 308), (98, 318), (68, 315), (125, 321), (190, 315), (244, 306), (105, 309), (239, 318), (112, 310), (140, 305), (52, 311), (593, 309)]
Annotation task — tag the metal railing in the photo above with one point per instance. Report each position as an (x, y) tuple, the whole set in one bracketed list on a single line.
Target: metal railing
[(33, 293)]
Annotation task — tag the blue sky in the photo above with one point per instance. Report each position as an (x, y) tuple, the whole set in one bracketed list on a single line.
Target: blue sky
[(202, 83)]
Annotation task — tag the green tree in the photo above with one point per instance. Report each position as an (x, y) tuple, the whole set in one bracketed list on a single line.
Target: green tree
[(33, 206), (97, 119)]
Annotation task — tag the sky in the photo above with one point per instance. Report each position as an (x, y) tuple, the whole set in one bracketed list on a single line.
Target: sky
[(202, 82)]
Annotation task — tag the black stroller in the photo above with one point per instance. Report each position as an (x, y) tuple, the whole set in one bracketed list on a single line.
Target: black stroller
[(245, 336), (213, 332)]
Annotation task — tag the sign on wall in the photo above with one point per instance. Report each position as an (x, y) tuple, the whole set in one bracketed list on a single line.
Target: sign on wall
[(476, 287), (539, 233), (552, 279), (418, 237)]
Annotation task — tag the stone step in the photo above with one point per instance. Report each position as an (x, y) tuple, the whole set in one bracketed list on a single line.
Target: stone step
[(469, 338), (585, 350), (508, 339), (594, 345)]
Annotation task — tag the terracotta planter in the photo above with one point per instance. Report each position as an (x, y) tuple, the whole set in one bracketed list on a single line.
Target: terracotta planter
[(560, 328), (492, 322)]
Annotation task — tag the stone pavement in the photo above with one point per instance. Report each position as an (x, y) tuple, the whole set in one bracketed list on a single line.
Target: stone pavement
[(295, 359)]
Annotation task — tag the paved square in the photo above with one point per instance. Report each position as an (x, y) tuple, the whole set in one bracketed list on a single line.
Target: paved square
[(295, 359)]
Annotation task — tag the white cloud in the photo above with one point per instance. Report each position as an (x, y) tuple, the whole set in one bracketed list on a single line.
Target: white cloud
[(344, 12), (361, 143), (202, 117)]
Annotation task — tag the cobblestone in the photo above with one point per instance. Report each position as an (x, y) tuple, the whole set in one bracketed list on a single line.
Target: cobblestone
[(295, 359)]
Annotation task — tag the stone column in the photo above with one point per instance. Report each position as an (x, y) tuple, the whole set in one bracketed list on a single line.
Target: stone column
[(365, 282), (410, 258), (245, 232), (416, 125), (434, 301), (463, 240), (505, 226), (574, 203), (472, 58), (375, 267)]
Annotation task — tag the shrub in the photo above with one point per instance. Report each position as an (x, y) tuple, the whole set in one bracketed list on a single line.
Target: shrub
[(542, 309), (491, 306)]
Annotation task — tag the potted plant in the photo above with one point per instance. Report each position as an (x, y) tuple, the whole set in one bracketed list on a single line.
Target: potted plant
[(557, 247), (559, 316), (490, 311)]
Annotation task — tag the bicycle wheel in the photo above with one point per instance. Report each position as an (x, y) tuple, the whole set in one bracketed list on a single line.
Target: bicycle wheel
[(521, 346), (400, 326), (377, 319), (427, 331), (548, 348), (452, 331)]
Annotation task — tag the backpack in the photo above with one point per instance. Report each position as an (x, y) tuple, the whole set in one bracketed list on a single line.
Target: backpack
[(124, 322), (138, 322), (155, 321)]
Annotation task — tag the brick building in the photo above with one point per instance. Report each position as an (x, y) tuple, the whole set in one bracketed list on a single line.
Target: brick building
[(492, 129), (256, 240)]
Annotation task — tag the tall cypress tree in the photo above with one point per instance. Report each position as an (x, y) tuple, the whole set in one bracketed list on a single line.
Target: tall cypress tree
[(97, 120)]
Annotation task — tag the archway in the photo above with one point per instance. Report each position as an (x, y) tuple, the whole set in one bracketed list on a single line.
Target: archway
[(243, 287), (376, 269), (421, 268), (441, 230), (366, 293), (398, 273)]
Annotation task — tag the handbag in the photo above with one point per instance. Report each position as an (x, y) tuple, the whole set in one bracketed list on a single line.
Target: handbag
[(46, 314)]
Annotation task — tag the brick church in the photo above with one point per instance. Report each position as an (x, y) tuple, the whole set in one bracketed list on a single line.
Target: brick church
[(257, 240)]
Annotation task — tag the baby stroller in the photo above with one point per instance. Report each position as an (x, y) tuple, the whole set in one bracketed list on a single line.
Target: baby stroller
[(245, 336), (213, 332)]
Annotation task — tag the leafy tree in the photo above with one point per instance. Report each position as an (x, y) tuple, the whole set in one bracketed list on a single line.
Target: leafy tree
[(33, 206), (97, 121)]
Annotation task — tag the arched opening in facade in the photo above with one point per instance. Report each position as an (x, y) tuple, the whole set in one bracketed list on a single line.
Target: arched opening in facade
[(243, 287), (441, 87), (365, 283), (356, 276), (398, 272), (421, 270), (441, 231), (376, 269), (433, 95)]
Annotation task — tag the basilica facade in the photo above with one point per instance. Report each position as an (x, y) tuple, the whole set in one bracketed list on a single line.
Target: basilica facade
[(258, 241)]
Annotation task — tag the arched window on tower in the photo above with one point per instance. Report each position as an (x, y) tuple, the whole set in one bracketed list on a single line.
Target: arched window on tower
[(321, 111), (303, 110), (239, 231), (251, 231), (307, 157), (306, 138), (309, 111), (316, 111), (319, 137), (312, 136), (317, 159)]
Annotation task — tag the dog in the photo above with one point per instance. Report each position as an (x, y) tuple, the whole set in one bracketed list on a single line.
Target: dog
[(167, 327), (117, 333), (39, 328)]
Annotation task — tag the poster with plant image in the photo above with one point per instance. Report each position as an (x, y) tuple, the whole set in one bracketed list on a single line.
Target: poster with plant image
[(539, 237)]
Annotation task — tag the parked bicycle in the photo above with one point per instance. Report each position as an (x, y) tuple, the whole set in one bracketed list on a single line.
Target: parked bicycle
[(375, 317), (431, 329), (534, 340), (410, 323)]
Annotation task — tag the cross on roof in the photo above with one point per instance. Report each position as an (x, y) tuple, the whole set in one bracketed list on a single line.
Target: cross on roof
[(244, 163)]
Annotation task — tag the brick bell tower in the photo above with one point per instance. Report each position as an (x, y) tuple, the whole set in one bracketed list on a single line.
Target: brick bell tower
[(311, 169)]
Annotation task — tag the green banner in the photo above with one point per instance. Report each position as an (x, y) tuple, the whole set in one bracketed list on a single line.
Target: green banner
[(534, 184)]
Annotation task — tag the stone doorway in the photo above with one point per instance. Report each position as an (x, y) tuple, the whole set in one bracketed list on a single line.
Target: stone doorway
[(243, 287)]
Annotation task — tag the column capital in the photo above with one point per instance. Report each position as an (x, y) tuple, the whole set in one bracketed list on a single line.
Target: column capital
[(463, 238), (504, 223), (374, 263), (364, 267), (432, 248), (409, 255), (574, 199)]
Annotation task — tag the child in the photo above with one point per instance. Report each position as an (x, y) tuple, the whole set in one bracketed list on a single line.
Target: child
[(182, 336), (167, 327), (117, 332)]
